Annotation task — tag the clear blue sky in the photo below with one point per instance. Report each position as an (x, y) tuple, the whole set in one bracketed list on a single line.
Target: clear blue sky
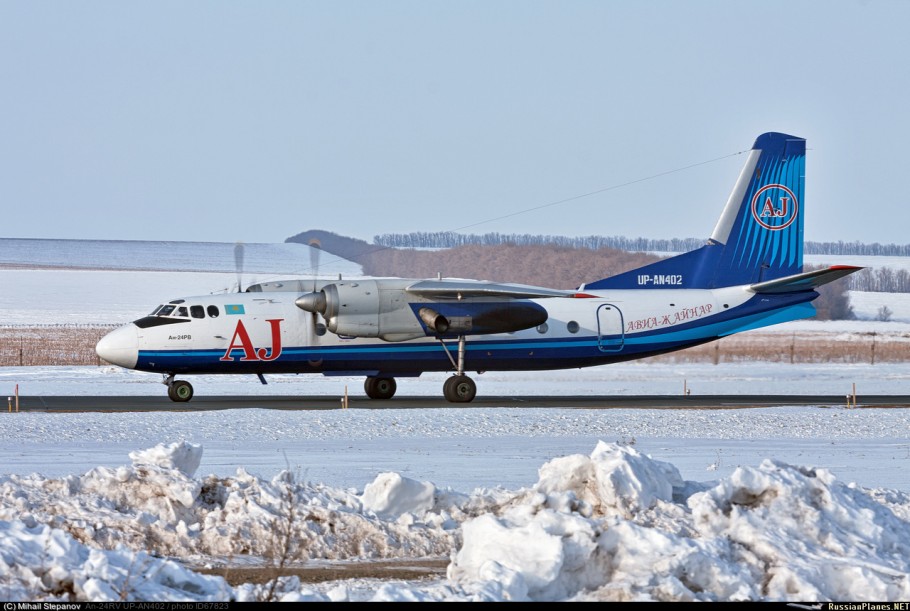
[(252, 121)]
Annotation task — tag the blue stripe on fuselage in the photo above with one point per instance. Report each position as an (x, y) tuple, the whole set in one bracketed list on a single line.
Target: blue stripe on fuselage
[(489, 354)]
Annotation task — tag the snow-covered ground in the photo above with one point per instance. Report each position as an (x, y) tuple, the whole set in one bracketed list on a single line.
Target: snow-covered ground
[(779, 504)]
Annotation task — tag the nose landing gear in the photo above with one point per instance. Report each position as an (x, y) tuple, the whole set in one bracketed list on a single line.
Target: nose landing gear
[(179, 391)]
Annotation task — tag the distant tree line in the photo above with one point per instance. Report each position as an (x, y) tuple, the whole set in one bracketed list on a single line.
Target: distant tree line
[(451, 239), (881, 280)]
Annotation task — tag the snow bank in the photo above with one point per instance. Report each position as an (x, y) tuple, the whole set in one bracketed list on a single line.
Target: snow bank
[(616, 525), (607, 528)]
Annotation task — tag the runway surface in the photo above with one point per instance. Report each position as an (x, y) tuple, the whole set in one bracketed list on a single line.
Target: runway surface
[(163, 404)]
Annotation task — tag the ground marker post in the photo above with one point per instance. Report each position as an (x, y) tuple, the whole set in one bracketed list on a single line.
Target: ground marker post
[(17, 398)]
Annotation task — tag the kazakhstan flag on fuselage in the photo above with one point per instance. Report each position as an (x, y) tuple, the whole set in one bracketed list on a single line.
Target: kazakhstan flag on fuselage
[(234, 309)]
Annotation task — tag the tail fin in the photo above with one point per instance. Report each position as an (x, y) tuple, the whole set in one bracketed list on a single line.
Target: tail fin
[(759, 236)]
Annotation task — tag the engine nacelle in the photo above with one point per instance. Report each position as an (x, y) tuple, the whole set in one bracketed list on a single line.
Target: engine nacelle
[(365, 308), (384, 309), (481, 316)]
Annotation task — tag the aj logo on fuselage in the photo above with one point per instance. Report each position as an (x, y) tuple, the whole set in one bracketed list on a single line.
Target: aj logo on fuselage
[(774, 207), (241, 340)]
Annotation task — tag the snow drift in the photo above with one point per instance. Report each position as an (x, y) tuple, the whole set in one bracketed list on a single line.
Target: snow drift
[(615, 525)]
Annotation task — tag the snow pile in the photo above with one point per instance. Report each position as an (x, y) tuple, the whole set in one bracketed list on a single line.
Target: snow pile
[(620, 526), (612, 526), (38, 562)]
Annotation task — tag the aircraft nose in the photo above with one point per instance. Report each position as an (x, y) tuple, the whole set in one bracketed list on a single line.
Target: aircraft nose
[(120, 346)]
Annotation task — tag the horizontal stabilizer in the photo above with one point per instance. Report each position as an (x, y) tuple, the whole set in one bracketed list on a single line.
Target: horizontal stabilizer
[(804, 282)]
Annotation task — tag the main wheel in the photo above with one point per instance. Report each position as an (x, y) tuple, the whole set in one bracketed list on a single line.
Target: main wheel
[(459, 389), (180, 391), (380, 388)]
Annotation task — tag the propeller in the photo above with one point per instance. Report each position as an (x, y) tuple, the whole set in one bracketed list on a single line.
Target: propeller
[(315, 251), (238, 260)]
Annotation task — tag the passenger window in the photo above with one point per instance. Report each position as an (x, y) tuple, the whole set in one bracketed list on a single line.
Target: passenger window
[(213, 311), (181, 311), (196, 311), (572, 327)]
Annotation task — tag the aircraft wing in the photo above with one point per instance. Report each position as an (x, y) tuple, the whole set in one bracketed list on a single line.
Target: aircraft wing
[(805, 281), (460, 289)]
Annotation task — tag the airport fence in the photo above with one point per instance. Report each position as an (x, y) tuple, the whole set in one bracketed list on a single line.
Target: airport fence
[(50, 345)]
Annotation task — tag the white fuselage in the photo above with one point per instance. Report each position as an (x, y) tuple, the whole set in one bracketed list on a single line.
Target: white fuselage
[(267, 332)]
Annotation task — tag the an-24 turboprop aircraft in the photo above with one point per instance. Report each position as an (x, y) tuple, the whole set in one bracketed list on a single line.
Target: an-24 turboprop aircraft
[(749, 274)]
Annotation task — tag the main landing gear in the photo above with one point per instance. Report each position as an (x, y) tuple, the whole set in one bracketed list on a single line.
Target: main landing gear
[(459, 388), (380, 388), (179, 391)]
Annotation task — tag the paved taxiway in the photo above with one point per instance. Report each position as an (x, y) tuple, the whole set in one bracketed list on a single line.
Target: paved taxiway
[(202, 403)]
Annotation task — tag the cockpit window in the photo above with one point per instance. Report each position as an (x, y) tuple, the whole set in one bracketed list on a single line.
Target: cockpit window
[(171, 310)]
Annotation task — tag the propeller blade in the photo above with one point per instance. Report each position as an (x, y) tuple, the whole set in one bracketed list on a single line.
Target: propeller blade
[(238, 261), (315, 251)]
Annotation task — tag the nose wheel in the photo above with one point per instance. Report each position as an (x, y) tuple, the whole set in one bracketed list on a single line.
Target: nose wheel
[(179, 391)]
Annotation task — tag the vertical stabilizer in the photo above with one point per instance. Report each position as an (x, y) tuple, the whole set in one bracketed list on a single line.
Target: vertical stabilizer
[(762, 225), (759, 235)]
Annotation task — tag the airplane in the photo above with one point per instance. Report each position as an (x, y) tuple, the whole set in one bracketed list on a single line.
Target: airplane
[(748, 274)]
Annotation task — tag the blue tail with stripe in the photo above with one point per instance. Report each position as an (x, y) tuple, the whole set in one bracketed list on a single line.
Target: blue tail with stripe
[(759, 236)]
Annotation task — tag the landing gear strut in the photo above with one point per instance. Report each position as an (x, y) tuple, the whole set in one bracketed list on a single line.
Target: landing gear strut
[(459, 388), (380, 388), (179, 391)]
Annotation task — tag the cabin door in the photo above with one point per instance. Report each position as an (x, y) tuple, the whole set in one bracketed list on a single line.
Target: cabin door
[(610, 335)]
